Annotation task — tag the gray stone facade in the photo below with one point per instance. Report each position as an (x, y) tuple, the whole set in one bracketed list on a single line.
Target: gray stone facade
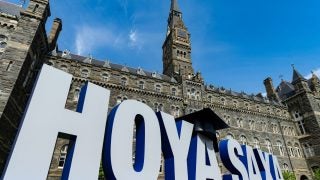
[(286, 123)]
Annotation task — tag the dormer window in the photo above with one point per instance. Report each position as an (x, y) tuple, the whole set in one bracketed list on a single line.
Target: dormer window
[(140, 71), (85, 73), (66, 54), (154, 74)]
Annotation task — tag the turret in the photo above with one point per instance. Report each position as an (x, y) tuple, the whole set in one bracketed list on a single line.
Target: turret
[(315, 83), (38, 9), (298, 81)]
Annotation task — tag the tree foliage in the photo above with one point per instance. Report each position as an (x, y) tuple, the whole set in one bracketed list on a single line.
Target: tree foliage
[(288, 175), (317, 174)]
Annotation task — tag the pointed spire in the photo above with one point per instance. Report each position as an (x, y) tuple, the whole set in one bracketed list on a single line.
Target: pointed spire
[(296, 75), (175, 6)]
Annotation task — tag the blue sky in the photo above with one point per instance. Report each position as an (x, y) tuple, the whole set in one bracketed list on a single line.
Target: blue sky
[(236, 44)]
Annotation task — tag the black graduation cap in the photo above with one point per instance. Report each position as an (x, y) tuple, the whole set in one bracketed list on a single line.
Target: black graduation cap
[(206, 122)]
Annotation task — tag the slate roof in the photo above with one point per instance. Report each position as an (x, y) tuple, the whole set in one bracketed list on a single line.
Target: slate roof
[(285, 90), (296, 76), (9, 8), (253, 97), (120, 67)]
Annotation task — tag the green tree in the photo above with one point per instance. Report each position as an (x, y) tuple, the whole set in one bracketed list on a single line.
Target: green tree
[(317, 174), (287, 175)]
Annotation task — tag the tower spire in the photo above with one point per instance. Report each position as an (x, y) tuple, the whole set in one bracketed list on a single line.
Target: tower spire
[(175, 6), (177, 47)]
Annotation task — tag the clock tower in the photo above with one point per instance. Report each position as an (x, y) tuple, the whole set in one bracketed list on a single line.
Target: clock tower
[(177, 47)]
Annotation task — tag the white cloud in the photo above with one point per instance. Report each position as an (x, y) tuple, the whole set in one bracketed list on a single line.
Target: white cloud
[(90, 37), (135, 40), (317, 72)]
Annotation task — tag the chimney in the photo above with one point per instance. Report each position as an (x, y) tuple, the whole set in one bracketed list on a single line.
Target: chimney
[(271, 92), (54, 33)]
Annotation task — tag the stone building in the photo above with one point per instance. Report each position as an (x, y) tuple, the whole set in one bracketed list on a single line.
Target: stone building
[(285, 123)]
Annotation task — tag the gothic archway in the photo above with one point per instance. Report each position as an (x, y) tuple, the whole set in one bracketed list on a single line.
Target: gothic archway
[(303, 177)]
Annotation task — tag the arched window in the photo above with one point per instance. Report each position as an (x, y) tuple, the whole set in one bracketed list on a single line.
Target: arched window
[(85, 73), (298, 117), (141, 85), (228, 119), (105, 77), (198, 95), (258, 108), (256, 143), (235, 104), (64, 67), (3, 38), (247, 106), (63, 156), (3, 43), (223, 101), (158, 88), (280, 148), (240, 122), (123, 81), (275, 128), (76, 94), (308, 150), (243, 140), (291, 150), (174, 91), (269, 146), (251, 124), (119, 100), (297, 150), (158, 107), (50, 63), (285, 167), (303, 177), (218, 136), (193, 93), (264, 126), (177, 112), (210, 98), (229, 136)]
